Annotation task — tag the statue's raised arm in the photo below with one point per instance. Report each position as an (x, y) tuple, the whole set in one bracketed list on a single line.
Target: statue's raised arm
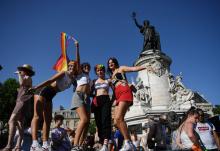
[(135, 20)]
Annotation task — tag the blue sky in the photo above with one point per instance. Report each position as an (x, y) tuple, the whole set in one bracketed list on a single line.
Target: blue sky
[(189, 32)]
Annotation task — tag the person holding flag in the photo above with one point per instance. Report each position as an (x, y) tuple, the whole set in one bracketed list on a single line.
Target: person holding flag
[(81, 103), (45, 92)]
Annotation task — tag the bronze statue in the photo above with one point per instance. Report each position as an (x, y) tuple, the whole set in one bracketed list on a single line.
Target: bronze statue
[(151, 37)]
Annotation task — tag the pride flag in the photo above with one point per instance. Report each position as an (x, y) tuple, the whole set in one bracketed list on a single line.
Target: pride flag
[(61, 63)]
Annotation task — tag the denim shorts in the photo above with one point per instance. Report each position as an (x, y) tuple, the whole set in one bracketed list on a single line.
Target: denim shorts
[(79, 99)]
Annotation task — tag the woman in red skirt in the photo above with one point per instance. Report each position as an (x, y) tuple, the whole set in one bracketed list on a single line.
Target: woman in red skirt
[(123, 96)]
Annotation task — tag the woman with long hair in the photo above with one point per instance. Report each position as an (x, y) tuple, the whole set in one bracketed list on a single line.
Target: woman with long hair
[(123, 95), (186, 138), (44, 94)]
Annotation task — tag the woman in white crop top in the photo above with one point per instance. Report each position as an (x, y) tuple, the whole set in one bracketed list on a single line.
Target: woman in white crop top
[(43, 101), (102, 106), (81, 103)]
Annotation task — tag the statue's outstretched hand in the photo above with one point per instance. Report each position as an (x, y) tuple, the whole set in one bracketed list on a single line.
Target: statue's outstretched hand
[(133, 15)]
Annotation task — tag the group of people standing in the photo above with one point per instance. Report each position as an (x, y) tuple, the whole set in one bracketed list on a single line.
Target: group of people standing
[(77, 74)]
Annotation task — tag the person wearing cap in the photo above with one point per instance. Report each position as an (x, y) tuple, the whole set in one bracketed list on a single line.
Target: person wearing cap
[(44, 93), (24, 73)]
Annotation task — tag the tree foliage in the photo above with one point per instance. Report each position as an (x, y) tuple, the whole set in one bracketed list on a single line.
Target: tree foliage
[(216, 110), (8, 95), (92, 127)]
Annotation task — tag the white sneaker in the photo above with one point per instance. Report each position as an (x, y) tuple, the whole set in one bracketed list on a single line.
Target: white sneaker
[(76, 148), (104, 148), (37, 148), (46, 148), (128, 147)]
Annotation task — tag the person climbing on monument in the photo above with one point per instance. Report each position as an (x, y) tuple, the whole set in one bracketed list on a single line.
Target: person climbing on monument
[(44, 93), (123, 95), (16, 120), (81, 104), (102, 105)]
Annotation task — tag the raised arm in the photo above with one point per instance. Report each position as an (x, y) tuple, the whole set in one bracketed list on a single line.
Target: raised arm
[(50, 81), (136, 23), (77, 55), (135, 20)]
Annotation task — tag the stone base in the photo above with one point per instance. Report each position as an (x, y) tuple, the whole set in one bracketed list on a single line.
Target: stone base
[(159, 108)]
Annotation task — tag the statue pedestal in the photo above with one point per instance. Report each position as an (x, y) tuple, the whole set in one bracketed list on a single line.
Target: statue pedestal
[(158, 91), (157, 81)]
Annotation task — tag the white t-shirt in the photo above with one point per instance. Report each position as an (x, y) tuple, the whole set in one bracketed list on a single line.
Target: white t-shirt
[(206, 135)]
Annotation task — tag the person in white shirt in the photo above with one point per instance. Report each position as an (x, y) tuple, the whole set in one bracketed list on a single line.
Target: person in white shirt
[(207, 133)]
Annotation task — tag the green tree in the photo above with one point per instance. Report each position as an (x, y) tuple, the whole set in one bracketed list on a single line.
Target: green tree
[(216, 110), (92, 127), (8, 95)]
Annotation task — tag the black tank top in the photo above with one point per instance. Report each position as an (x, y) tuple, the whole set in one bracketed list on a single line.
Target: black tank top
[(118, 77)]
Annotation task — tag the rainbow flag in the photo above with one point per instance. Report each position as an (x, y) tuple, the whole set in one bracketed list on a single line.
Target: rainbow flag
[(61, 63)]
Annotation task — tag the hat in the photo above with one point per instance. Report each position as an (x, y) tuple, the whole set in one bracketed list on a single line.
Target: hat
[(27, 68)]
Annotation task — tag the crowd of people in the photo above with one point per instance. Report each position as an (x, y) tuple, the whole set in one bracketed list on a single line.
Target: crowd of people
[(193, 133)]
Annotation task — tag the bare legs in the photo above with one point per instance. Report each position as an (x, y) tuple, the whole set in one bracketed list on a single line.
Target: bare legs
[(47, 116), (42, 109), (38, 108), (15, 121), (120, 111), (82, 125), (20, 128)]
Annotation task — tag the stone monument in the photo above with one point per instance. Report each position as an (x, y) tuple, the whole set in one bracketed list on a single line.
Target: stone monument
[(158, 91)]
